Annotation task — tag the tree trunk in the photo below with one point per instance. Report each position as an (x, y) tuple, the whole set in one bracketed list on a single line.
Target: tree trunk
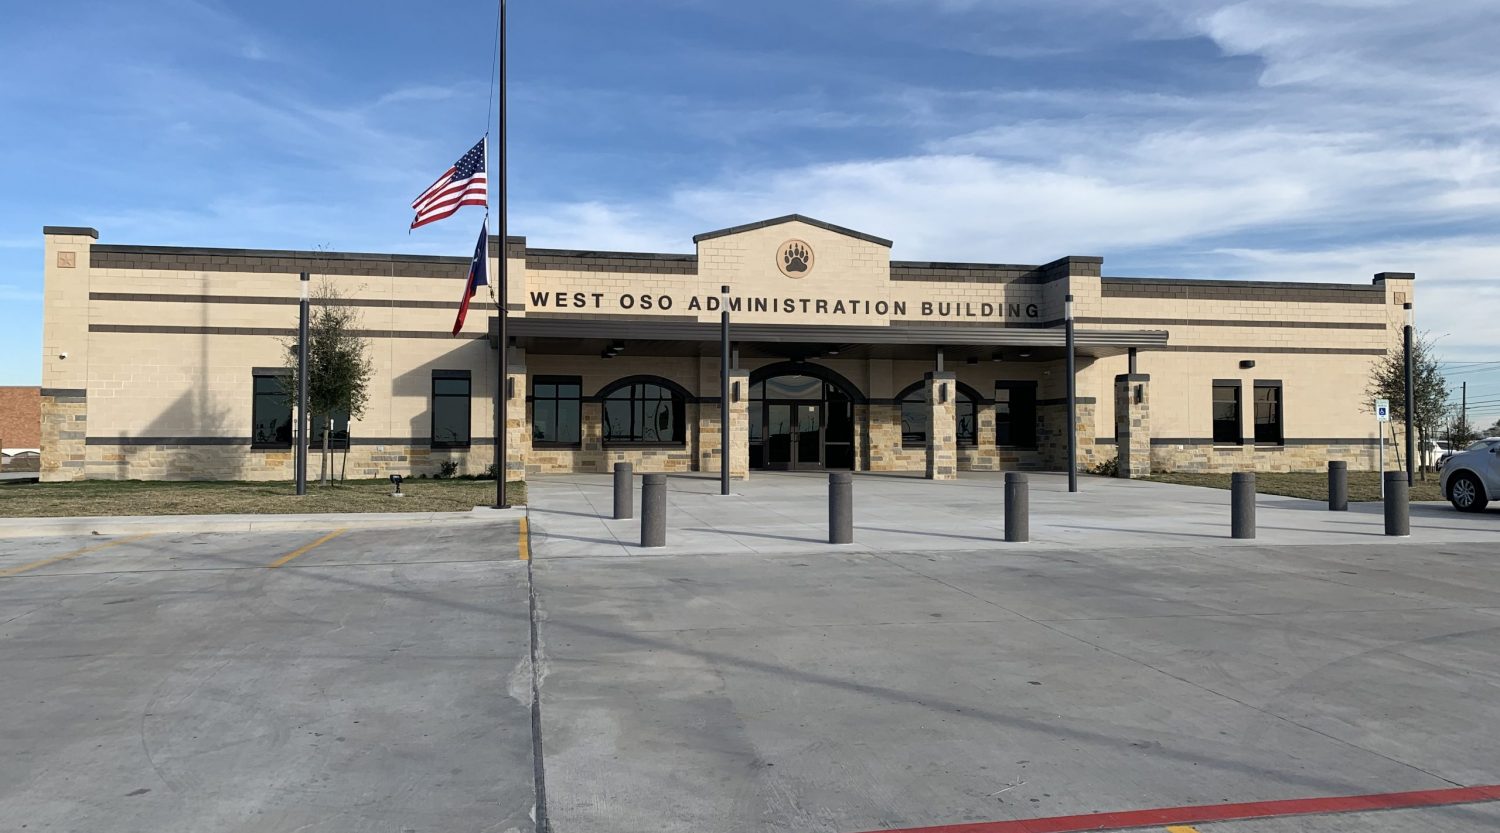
[(327, 429)]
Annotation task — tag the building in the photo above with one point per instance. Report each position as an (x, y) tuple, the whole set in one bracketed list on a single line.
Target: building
[(20, 421), (162, 362)]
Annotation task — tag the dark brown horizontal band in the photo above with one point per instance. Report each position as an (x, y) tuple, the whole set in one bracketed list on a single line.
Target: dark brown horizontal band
[(272, 300), (1277, 291), (70, 393), (1224, 322), (1328, 351), (415, 442), (167, 329), (1290, 441)]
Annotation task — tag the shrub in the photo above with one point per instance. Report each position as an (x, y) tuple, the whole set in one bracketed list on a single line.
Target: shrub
[(1107, 468), (447, 469)]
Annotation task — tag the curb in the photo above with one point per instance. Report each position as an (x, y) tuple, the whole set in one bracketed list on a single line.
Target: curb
[(133, 524)]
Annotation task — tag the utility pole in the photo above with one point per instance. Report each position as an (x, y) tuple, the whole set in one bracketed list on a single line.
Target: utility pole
[(300, 462)]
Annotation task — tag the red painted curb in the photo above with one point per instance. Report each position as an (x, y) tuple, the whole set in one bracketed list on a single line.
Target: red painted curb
[(1209, 813)]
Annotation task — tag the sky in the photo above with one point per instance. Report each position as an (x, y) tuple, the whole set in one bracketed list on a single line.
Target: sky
[(1299, 140)]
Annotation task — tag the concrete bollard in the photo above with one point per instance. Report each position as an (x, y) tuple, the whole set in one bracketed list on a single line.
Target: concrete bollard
[(653, 510), (1242, 510), (1338, 486), (1017, 507), (624, 491), (840, 507), (1397, 505)]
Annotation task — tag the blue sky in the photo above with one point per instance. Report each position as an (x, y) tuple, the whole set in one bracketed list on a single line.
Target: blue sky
[(1320, 140)]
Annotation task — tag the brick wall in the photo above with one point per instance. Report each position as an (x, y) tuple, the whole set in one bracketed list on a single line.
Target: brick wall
[(20, 417)]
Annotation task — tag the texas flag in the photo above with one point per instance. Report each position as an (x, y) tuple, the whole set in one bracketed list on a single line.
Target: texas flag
[(479, 269)]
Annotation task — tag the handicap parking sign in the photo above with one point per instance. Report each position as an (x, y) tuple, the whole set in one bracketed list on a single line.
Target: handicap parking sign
[(1383, 410)]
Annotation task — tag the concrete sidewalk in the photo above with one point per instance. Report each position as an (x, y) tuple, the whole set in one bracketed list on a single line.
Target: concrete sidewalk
[(787, 512), (135, 524)]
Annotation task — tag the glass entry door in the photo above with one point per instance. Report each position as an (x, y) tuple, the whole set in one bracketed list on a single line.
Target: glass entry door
[(794, 436)]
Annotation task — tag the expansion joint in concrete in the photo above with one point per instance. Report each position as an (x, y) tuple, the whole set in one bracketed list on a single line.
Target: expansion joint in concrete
[(538, 776)]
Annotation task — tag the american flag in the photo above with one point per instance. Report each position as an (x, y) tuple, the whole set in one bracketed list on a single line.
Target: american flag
[(462, 184)]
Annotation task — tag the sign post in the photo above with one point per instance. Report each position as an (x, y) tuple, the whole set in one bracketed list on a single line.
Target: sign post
[(1382, 416)]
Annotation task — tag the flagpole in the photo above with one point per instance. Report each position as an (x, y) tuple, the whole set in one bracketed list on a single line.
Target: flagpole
[(502, 395)]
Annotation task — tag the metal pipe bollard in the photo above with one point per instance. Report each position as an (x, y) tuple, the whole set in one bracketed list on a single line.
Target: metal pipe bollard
[(1017, 507), (653, 510), (1397, 507), (624, 491), (1338, 486), (1242, 511), (840, 507)]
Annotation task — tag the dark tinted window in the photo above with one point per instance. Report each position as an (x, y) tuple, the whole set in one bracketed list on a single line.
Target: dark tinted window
[(1268, 413), (1015, 414), (914, 417), (644, 413), (556, 410), (450, 409), (338, 437), (271, 412), (1227, 414)]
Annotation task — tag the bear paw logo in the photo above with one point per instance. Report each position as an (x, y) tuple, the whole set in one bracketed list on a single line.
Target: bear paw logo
[(796, 258)]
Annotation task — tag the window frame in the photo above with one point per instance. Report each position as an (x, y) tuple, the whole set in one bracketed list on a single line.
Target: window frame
[(1276, 385), (282, 376), (577, 404), (918, 391), (1239, 412), (432, 409), (678, 403), (1011, 386)]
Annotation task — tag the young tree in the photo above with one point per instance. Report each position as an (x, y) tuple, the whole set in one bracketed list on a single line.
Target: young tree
[(1493, 430), (1429, 389), (1460, 432), (338, 364)]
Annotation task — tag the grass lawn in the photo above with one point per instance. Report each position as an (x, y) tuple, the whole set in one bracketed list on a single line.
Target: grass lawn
[(141, 497), (1313, 485)]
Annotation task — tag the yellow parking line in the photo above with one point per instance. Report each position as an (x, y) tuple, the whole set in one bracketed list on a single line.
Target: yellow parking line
[(301, 551), (524, 541), (1182, 828), (74, 554)]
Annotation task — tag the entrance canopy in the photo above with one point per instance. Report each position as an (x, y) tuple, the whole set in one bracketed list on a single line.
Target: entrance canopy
[(686, 337)]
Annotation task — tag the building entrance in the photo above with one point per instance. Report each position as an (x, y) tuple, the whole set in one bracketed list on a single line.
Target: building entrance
[(800, 423)]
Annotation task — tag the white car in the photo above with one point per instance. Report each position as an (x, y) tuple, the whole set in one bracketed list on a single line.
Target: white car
[(1471, 478)]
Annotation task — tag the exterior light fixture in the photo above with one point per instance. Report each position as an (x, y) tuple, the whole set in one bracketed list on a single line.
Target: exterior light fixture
[(1025, 354), (396, 482)]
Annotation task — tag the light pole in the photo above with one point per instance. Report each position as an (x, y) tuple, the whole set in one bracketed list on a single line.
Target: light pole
[(1411, 443), (1072, 396), (300, 458), (724, 390)]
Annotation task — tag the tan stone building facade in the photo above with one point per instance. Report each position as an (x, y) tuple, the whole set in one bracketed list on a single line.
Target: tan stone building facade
[(164, 362)]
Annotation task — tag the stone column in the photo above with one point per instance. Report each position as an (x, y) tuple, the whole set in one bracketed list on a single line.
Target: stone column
[(942, 426), (739, 424), (517, 417), (1133, 424)]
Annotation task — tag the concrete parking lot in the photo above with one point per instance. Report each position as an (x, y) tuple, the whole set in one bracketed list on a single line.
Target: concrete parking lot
[(748, 677), (1129, 662), (371, 680)]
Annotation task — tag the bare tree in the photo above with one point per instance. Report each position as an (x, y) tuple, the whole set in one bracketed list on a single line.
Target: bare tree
[(1429, 390), (338, 364)]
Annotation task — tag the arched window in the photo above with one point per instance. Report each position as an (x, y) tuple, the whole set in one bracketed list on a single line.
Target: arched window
[(914, 415), (647, 412)]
